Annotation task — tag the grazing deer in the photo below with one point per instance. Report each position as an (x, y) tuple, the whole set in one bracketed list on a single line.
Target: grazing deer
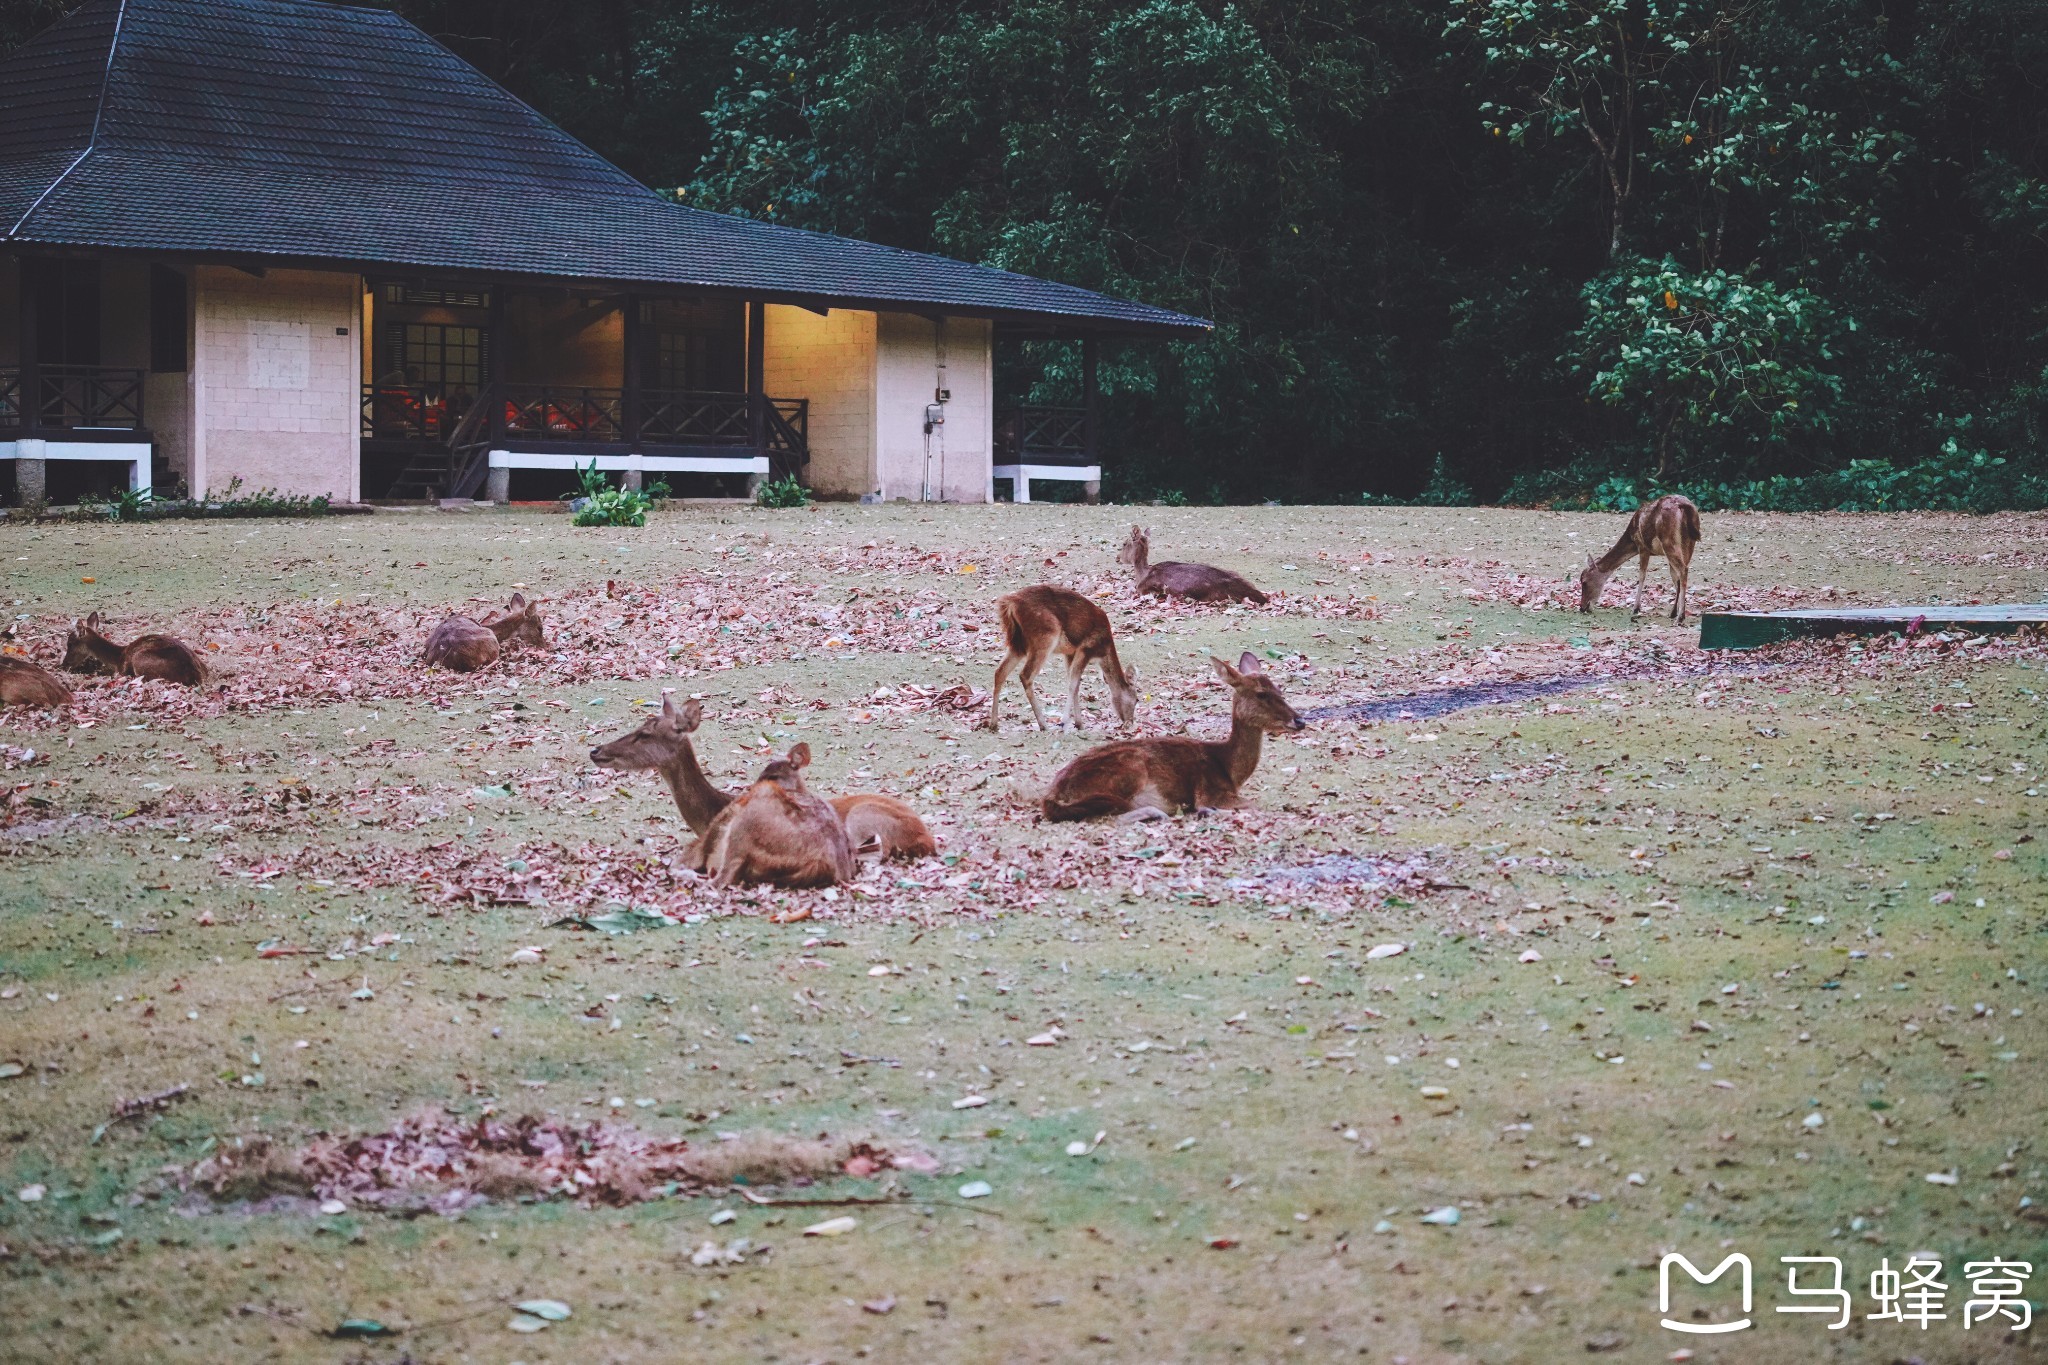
[(1668, 526), (777, 832), (24, 682), (461, 644), (1037, 620), (167, 657), (873, 822), (1197, 582), (1147, 778)]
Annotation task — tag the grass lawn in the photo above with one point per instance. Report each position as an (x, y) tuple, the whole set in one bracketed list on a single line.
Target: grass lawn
[(1699, 953)]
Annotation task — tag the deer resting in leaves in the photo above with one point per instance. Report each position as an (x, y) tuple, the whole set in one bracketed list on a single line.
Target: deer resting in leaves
[(462, 644), (776, 832), (663, 744), (1147, 778), (1668, 526), (24, 682), (1196, 582), (1038, 620), (166, 657)]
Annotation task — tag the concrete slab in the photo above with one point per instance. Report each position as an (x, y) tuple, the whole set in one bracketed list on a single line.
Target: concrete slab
[(1748, 629)]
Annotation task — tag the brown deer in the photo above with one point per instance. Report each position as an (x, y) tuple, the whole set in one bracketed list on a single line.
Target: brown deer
[(1037, 620), (1147, 778), (24, 682), (462, 644), (776, 832), (1196, 582), (166, 657), (873, 821), (1668, 526)]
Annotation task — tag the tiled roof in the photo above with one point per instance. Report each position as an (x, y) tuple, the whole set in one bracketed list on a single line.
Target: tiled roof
[(304, 132)]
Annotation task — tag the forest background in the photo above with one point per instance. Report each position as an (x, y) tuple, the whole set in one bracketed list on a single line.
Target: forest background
[(1788, 254)]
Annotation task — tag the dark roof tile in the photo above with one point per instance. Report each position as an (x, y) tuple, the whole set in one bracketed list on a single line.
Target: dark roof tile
[(308, 131)]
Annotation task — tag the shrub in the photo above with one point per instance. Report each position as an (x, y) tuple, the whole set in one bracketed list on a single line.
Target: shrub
[(613, 507), (783, 493)]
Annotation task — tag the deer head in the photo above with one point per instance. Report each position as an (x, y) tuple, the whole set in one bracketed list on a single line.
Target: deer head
[(85, 648), (657, 742), (519, 623), (1124, 696), (787, 772), (1256, 703), (1591, 580), (1137, 549)]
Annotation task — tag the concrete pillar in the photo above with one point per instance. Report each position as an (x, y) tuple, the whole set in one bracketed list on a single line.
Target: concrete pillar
[(29, 485), (1091, 491), (754, 482), (498, 485), (632, 479)]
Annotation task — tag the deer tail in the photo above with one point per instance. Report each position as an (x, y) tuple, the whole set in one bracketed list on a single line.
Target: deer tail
[(1689, 515), (1013, 628)]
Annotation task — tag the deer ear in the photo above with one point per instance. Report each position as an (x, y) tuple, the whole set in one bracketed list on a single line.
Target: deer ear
[(1248, 662), (693, 715), (1226, 672), (92, 622), (800, 755), (518, 602)]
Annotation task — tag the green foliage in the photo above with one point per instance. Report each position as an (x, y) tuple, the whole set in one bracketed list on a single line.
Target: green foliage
[(1444, 489), (613, 507), (590, 482), (783, 493), (230, 503), (1692, 355)]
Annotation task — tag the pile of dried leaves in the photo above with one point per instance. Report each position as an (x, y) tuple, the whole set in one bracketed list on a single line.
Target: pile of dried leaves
[(435, 1160)]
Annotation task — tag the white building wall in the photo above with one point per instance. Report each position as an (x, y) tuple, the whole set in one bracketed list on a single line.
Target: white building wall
[(276, 382), (914, 359), (831, 361)]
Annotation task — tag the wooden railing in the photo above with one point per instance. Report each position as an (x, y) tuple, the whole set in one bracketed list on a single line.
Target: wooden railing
[(412, 412), (74, 398), (1042, 434)]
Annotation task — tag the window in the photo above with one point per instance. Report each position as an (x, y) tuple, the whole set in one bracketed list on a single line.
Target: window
[(435, 355), (167, 320), (700, 359), (441, 298)]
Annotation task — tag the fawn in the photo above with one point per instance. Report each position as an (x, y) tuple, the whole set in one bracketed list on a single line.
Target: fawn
[(776, 831), (663, 744), (1147, 778), (24, 682), (1668, 526), (1037, 620), (463, 645), (1197, 582), (167, 657)]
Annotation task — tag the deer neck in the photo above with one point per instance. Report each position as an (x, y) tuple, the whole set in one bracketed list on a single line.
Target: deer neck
[(1624, 549), (502, 627), (697, 800), (105, 650), (1141, 558), (1241, 751)]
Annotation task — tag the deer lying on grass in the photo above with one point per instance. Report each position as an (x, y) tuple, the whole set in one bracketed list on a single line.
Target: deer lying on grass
[(777, 832), (24, 682), (663, 744), (1196, 582), (1147, 778), (166, 657), (1037, 620), (1669, 526), (462, 644)]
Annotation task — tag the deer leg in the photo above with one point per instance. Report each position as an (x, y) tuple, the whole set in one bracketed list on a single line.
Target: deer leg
[(1032, 663), (1077, 664), (1138, 815), (1677, 588), (1642, 576), (995, 700)]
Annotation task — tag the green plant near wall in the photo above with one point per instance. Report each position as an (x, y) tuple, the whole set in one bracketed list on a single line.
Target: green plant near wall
[(783, 493), (614, 507)]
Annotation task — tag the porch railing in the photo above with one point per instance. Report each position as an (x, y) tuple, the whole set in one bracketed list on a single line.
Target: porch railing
[(683, 417), (1042, 434), (73, 398)]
